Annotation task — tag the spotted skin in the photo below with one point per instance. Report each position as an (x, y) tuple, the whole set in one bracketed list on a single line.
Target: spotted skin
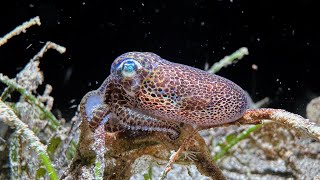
[(154, 94)]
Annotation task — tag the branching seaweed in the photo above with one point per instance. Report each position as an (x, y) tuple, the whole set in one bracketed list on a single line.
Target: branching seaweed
[(8, 117), (26, 82), (54, 123), (19, 29)]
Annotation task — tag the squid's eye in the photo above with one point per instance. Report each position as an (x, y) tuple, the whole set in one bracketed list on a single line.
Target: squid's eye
[(129, 67)]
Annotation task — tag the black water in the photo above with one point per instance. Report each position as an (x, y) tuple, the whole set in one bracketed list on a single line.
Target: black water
[(283, 40)]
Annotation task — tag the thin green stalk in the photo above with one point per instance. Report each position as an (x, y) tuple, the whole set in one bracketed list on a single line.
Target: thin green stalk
[(100, 150), (5, 94), (234, 141), (53, 122), (14, 155), (98, 175), (47, 163), (226, 61), (9, 117), (148, 175)]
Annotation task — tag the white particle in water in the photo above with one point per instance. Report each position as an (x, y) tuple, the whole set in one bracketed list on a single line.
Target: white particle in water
[(254, 67)]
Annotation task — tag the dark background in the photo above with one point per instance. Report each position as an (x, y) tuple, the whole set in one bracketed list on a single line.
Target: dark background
[(282, 39)]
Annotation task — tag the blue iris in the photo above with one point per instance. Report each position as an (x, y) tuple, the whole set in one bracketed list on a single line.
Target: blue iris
[(129, 66)]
